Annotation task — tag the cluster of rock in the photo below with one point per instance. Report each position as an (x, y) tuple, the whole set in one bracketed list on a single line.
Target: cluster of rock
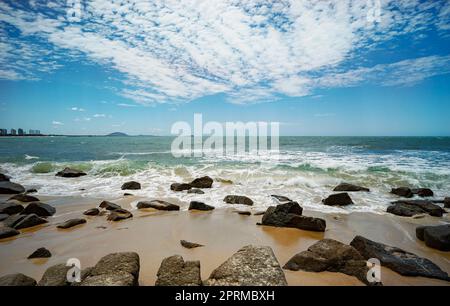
[(436, 237), (199, 183)]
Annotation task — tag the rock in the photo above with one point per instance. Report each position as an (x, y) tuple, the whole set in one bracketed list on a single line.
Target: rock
[(398, 260), (109, 205), (423, 192), (447, 202), (243, 212), (403, 192), (111, 279), (3, 217), (7, 187), (280, 199), (290, 215), (32, 190), (202, 182), (190, 245), (330, 255), (29, 221), (157, 204), (224, 181), (10, 208), (40, 253), (6, 232), (250, 266), (338, 199), (40, 209), (55, 276), (11, 221), (236, 199), (409, 208), (196, 190), (131, 186), (68, 172), (71, 223), (200, 206), (126, 194), (259, 213), (436, 237), (174, 271), (91, 212), (17, 280), (4, 178), (119, 214), (180, 187), (23, 198), (349, 187)]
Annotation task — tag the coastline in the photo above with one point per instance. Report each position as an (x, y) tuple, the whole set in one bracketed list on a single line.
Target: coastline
[(155, 235)]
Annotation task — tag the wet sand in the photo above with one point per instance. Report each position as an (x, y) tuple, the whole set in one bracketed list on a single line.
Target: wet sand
[(155, 235)]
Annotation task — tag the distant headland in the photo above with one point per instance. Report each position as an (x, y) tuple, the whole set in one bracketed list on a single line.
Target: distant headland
[(118, 134)]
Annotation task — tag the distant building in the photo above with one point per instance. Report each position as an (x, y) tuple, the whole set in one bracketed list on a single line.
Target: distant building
[(20, 132), (3, 132), (13, 132), (38, 132)]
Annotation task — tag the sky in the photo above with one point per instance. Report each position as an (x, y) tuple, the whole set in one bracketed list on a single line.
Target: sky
[(320, 68)]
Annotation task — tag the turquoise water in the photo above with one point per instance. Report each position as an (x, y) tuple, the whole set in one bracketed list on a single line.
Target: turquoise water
[(306, 169)]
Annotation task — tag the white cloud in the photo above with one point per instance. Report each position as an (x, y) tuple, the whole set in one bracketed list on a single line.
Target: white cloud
[(99, 116), (77, 109), (57, 123)]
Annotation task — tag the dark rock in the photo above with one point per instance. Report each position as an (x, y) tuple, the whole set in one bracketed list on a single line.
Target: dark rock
[(131, 186), (202, 182), (71, 223), (250, 266), (190, 245), (157, 204), (17, 280), (436, 237), (91, 212), (174, 271), (119, 214), (40, 209), (29, 221), (11, 221), (32, 190), (6, 232), (109, 205), (349, 187), (10, 208), (126, 194), (196, 190), (7, 187), (243, 212), (402, 192), (180, 187), (423, 192), (68, 172), (280, 199), (398, 260), (23, 198), (55, 276), (236, 199), (40, 253), (200, 206), (4, 178), (338, 199), (3, 217), (447, 202), (409, 208), (330, 255)]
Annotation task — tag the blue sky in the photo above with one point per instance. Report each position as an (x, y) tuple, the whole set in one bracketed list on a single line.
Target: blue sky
[(317, 67)]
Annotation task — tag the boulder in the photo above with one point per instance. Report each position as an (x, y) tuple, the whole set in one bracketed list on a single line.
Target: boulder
[(157, 204), (4, 178), (11, 221), (55, 276), (350, 188), (7, 187), (200, 206), (119, 214), (236, 199), (68, 172), (423, 192), (398, 260), (436, 237), (109, 205), (338, 199), (110, 279), (190, 245), (330, 255), (6, 232), (91, 212), (131, 186), (250, 266), (447, 202), (402, 192), (180, 187), (17, 280), (174, 271), (71, 223), (40, 209), (23, 198), (10, 208), (409, 208), (29, 221), (31, 190), (3, 217), (40, 253), (202, 182), (196, 190)]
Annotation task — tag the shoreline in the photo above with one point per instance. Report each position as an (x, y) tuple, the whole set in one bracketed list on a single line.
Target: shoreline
[(155, 235)]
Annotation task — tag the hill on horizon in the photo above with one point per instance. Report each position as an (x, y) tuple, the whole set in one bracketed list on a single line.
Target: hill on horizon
[(117, 134)]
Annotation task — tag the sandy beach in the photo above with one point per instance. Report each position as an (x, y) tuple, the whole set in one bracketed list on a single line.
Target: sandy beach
[(155, 235)]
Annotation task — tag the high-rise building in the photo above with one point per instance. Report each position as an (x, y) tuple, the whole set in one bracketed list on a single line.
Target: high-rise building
[(20, 132), (3, 132), (13, 132)]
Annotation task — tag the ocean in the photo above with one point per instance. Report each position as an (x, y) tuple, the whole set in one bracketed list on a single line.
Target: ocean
[(307, 169)]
